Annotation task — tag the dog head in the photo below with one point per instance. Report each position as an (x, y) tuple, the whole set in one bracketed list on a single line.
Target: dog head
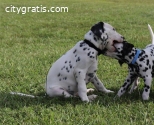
[(104, 35), (122, 53)]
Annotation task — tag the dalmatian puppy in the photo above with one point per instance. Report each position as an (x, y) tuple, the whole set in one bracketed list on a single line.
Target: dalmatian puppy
[(77, 67), (140, 64)]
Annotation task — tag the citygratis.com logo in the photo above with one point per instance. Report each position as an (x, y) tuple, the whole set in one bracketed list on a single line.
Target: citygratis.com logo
[(35, 9)]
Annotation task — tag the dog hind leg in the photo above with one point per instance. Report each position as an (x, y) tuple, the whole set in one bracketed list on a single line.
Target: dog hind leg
[(58, 91), (134, 85)]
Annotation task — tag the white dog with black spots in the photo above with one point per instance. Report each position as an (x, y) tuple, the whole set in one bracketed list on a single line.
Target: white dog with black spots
[(140, 64), (71, 72)]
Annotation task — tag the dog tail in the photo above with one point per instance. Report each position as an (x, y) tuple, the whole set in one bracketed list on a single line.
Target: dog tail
[(152, 34), (25, 95)]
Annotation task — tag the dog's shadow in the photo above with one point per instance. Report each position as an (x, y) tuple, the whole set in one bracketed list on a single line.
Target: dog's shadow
[(16, 102)]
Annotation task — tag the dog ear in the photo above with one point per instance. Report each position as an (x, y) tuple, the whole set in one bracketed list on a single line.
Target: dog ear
[(127, 48), (98, 29), (120, 62)]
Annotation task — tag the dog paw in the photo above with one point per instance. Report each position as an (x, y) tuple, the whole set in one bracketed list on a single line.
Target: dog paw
[(92, 97), (90, 90), (131, 91), (116, 97), (145, 97), (108, 91)]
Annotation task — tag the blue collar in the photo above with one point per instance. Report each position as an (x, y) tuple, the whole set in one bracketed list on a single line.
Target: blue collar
[(136, 56)]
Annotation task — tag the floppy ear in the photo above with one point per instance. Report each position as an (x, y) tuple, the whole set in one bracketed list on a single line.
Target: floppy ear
[(98, 29), (127, 48)]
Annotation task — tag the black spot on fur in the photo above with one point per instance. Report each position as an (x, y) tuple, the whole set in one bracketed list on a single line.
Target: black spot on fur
[(124, 84), (145, 69), (65, 61), (62, 67), (90, 74), (140, 65), (149, 66), (70, 66), (75, 51), (82, 44), (146, 90), (141, 59), (58, 75), (84, 48), (95, 39), (147, 86), (78, 59), (89, 53), (147, 62)]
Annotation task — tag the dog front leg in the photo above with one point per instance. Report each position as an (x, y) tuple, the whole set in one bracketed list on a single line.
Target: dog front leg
[(130, 78), (81, 84), (146, 92), (99, 85)]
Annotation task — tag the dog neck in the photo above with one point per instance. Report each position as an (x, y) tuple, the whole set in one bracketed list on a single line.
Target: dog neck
[(94, 39), (132, 56), (94, 47)]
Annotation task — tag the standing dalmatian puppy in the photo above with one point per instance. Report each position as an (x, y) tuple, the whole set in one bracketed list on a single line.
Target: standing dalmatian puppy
[(140, 64), (71, 72)]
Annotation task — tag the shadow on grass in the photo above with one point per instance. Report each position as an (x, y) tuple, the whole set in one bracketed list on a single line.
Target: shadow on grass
[(126, 98), (17, 102), (8, 100)]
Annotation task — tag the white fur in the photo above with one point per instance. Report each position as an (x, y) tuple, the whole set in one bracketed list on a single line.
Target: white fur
[(151, 33)]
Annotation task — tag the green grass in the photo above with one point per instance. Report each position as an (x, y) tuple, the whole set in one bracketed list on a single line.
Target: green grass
[(30, 43)]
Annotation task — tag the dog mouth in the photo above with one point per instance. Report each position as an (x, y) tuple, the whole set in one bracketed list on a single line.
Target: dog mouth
[(114, 43), (114, 47)]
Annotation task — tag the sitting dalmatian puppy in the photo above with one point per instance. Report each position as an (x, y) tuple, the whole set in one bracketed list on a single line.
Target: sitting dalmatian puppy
[(72, 71), (140, 64)]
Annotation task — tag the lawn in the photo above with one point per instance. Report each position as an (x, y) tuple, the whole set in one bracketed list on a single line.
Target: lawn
[(31, 42)]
